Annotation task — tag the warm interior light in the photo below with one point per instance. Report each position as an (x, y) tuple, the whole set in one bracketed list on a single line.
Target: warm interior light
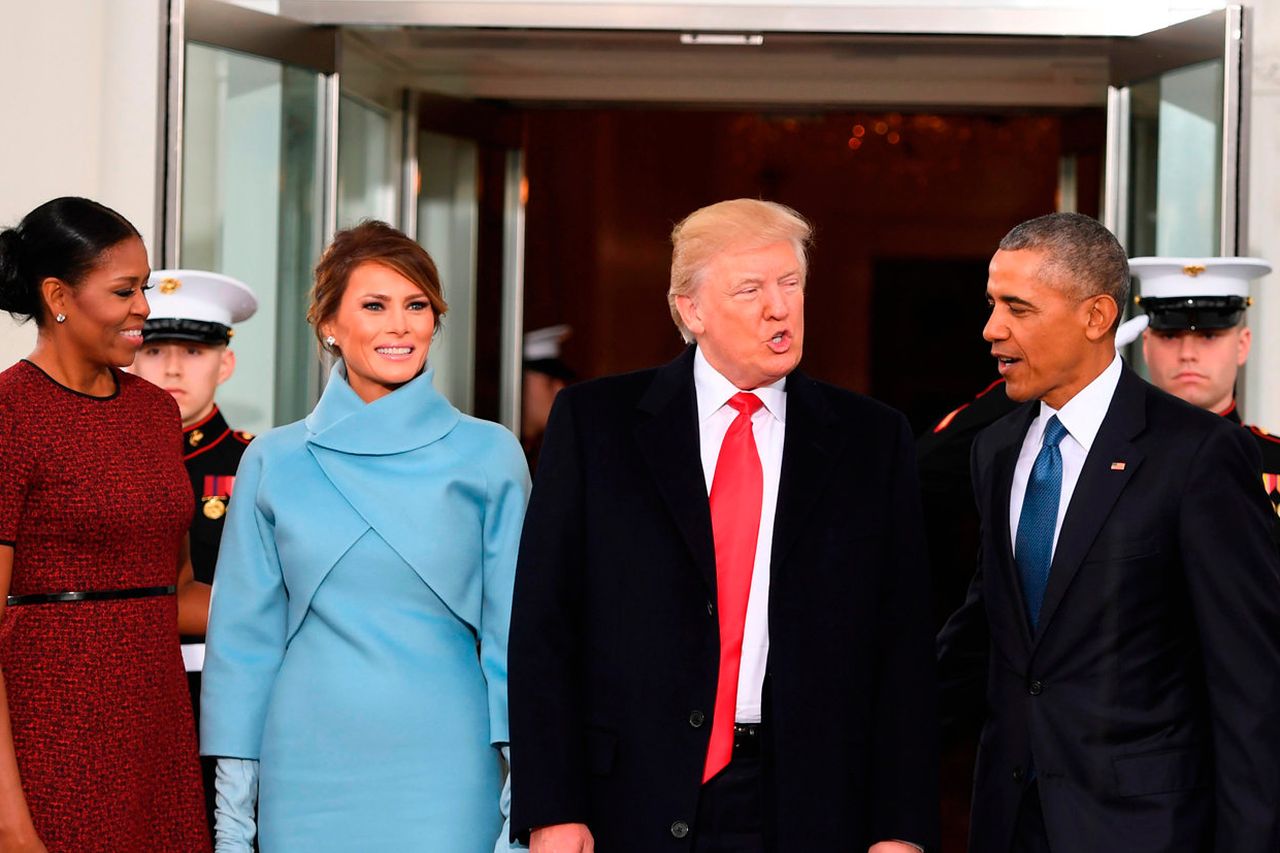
[(723, 39)]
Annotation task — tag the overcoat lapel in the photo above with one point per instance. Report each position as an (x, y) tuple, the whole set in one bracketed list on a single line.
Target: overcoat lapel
[(667, 434), (1097, 489), (809, 447)]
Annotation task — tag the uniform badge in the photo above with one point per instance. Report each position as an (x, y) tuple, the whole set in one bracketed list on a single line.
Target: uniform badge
[(169, 285), (217, 491), (214, 508), (195, 437)]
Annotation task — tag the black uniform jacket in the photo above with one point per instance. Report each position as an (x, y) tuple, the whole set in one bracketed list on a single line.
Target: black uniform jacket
[(212, 452), (1269, 448), (1148, 700), (614, 648)]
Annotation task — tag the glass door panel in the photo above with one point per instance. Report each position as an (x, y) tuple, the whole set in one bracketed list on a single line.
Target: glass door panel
[(448, 228), (251, 198), (367, 156), (1176, 129)]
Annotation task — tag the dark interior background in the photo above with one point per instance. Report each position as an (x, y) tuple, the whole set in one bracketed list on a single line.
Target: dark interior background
[(907, 208)]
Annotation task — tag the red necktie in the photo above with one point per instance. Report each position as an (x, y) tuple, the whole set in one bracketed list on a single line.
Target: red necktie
[(736, 493)]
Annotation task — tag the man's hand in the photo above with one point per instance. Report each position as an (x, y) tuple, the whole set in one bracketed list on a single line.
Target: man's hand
[(893, 847), (564, 838)]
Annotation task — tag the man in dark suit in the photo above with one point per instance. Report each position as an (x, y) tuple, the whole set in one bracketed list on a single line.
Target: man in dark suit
[(719, 640), (1126, 607)]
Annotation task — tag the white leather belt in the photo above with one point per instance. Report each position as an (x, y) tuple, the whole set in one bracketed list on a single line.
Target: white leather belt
[(193, 656)]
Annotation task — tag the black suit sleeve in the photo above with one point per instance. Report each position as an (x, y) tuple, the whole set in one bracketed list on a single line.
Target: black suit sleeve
[(964, 645), (548, 765), (905, 752), (1233, 574)]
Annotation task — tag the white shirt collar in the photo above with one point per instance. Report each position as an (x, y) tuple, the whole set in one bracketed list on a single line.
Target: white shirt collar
[(1083, 414), (714, 390)]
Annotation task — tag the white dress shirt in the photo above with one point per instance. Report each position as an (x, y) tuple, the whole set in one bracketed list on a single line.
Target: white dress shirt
[(1082, 416), (768, 425)]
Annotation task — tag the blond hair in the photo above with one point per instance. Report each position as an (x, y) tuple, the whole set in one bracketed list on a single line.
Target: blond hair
[(741, 222)]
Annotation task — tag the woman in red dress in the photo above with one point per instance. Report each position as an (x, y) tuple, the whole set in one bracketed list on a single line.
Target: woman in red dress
[(97, 745)]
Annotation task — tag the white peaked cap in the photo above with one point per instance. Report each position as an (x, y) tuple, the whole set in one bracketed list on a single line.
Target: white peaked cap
[(209, 297), (1185, 278)]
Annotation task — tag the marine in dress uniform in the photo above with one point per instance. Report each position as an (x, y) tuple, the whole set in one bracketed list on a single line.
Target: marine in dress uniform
[(1198, 338), (186, 351)]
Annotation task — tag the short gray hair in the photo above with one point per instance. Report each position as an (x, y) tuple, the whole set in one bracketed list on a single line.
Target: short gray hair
[(706, 232), (1080, 255)]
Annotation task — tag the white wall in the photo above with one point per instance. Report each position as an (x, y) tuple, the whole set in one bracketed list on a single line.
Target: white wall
[(80, 106), (1262, 382)]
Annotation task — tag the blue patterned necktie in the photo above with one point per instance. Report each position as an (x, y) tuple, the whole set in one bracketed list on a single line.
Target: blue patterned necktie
[(1033, 550)]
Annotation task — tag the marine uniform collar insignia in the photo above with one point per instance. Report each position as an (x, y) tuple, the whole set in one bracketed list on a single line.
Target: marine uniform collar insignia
[(412, 416)]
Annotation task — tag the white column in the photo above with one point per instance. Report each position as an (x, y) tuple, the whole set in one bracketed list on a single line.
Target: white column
[(1262, 391), (81, 100)]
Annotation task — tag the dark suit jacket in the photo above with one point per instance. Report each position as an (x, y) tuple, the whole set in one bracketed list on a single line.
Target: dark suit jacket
[(614, 648), (1149, 697)]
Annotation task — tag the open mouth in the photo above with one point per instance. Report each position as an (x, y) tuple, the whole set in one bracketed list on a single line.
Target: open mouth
[(133, 336), (780, 343), (1005, 362), (395, 353)]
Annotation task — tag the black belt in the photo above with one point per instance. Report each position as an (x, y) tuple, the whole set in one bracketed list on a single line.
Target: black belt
[(90, 595), (746, 740)]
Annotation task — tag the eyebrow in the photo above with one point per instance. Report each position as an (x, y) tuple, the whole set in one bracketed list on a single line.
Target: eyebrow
[(1011, 300), (383, 297), (146, 275)]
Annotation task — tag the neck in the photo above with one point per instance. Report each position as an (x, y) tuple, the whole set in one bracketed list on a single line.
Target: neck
[(203, 415), (1091, 368), (71, 369)]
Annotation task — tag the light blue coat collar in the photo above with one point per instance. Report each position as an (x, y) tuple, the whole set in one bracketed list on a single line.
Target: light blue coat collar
[(412, 416)]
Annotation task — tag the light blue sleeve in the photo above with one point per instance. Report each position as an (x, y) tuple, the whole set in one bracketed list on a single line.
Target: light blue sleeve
[(505, 500), (247, 619), (235, 793)]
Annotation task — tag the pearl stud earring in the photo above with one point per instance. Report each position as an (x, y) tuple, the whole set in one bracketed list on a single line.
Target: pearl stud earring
[(61, 318), (328, 341)]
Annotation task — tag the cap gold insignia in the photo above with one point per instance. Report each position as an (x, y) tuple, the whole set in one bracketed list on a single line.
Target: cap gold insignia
[(169, 285), (1193, 270), (215, 508), (1117, 466)]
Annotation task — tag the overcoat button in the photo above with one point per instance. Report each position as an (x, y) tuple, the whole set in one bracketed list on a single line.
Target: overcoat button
[(1035, 688), (697, 718), (679, 829), (1017, 774), (710, 608)]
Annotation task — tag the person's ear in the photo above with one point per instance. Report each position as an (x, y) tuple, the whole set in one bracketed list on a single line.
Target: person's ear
[(690, 314), (227, 365), (1245, 343), (1102, 315), (56, 295)]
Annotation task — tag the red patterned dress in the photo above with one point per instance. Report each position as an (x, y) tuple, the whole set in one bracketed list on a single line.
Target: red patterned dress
[(93, 496)]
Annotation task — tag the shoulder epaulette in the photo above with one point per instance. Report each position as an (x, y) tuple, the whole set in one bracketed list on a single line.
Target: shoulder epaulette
[(1262, 433), (946, 421)]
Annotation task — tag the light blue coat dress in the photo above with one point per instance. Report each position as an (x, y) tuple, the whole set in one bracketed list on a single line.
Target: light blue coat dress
[(357, 639)]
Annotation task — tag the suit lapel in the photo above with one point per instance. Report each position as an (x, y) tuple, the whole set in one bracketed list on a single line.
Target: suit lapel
[(667, 435), (1097, 489), (1006, 460), (810, 445)]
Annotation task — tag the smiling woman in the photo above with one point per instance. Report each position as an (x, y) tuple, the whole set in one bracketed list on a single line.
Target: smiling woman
[(375, 551), (97, 746)]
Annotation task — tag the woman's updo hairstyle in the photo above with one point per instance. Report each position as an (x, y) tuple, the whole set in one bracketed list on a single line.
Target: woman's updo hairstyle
[(63, 239)]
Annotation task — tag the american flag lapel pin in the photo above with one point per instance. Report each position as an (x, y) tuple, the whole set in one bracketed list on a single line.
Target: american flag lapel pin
[(1117, 466)]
